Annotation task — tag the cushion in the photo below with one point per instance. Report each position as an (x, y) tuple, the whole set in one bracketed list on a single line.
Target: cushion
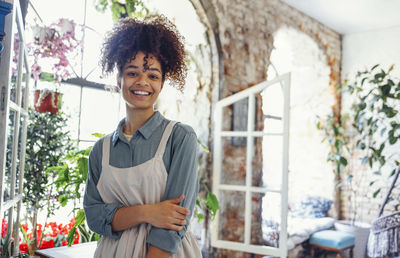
[(333, 239), (311, 207)]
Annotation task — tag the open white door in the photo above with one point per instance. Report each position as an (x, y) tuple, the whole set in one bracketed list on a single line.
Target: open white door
[(270, 146)]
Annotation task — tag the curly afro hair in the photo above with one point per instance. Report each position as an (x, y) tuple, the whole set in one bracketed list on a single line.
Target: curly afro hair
[(154, 35)]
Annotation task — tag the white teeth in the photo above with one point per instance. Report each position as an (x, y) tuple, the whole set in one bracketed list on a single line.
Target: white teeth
[(138, 92)]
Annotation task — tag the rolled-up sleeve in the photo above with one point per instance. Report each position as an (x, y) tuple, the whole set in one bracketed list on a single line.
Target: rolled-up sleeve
[(182, 179), (99, 215)]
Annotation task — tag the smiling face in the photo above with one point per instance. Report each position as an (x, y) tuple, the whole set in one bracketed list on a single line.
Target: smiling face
[(141, 82)]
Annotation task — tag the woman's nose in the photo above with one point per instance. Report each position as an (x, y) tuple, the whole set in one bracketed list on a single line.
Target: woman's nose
[(141, 81)]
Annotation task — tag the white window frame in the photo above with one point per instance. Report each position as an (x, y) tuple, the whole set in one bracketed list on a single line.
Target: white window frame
[(13, 22), (281, 251)]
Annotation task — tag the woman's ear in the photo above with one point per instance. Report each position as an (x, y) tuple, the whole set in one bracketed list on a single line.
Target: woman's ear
[(120, 81)]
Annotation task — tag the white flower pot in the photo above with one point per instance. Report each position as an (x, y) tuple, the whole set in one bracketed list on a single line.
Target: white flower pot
[(360, 230)]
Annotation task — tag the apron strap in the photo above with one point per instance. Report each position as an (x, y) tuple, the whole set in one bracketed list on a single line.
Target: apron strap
[(105, 161), (164, 139)]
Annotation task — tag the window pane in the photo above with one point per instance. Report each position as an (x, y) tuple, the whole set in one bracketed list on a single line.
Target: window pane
[(235, 116), (231, 222), (267, 161), (233, 163), (272, 109), (266, 219)]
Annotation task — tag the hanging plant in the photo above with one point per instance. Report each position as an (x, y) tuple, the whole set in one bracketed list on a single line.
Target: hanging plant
[(57, 42)]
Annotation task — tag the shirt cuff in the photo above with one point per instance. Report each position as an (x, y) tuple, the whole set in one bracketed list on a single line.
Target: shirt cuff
[(167, 240), (110, 210)]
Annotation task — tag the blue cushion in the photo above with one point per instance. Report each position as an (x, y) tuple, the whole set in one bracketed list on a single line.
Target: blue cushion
[(311, 207), (333, 239)]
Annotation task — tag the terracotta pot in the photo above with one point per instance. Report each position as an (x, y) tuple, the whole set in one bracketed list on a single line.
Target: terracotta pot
[(47, 101)]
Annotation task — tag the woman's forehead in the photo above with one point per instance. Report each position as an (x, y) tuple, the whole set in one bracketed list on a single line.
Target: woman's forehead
[(143, 59)]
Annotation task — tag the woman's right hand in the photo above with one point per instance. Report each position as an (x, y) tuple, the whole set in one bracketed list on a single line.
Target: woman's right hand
[(168, 214)]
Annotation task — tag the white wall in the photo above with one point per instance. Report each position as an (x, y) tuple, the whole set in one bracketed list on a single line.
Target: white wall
[(362, 50)]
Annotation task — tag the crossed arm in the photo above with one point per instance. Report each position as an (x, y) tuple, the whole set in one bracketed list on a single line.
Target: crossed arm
[(167, 214)]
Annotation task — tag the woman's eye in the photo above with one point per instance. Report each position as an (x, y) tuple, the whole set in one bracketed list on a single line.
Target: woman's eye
[(131, 74), (153, 76)]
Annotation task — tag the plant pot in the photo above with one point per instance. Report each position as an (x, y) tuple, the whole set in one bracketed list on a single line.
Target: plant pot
[(360, 230), (47, 101)]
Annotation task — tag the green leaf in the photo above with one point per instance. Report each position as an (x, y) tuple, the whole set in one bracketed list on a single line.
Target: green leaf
[(200, 217), (205, 148), (375, 66), (392, 139), (79, 219), (343, 161), (376, 193), (363, 80), (63, 200), (198, 203), (212, 203), (98, 135)]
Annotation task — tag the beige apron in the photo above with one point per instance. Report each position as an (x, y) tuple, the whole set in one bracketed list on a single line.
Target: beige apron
[(138, 185)]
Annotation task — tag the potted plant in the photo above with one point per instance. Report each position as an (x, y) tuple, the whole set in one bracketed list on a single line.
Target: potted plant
[(46, 145), (47, 101), (55, 45), (360, 141)]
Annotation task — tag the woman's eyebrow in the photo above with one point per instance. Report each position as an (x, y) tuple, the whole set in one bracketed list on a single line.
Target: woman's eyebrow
[(131, 66), (136, 67), (154, 69)]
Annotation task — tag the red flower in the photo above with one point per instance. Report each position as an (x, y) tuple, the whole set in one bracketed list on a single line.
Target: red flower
[(47, 244), (64, 242), (23, 248), (76, 240), (3, 228), (25, 227)]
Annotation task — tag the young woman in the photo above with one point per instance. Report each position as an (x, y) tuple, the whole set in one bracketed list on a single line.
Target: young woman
[(142, 182)]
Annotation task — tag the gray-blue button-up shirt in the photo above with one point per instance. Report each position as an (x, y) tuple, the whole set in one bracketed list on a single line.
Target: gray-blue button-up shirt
[(180, 160)]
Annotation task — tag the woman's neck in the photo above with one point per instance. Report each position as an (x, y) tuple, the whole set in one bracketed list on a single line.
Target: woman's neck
[(135, 119)]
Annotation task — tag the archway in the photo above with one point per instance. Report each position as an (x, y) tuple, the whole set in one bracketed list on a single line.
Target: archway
[(311, 96)]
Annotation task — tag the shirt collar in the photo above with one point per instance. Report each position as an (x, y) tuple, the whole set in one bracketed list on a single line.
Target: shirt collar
[(146, 130)]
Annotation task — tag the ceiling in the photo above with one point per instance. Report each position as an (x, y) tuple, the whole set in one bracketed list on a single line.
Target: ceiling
[(351, 16)]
